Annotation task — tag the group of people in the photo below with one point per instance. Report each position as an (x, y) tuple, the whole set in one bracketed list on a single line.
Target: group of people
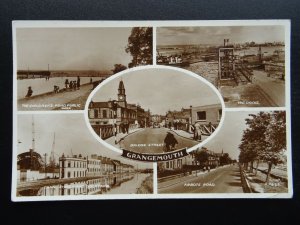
[(177, 124), (123, 128), (175, 59), (72, 85)]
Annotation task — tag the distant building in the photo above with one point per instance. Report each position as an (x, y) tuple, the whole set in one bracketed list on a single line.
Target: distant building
[(207, 114), (94, 166), (182, 116), (72, 167), (156, 118), (107, 166), (117, 166), (127, 168), (190, 161)]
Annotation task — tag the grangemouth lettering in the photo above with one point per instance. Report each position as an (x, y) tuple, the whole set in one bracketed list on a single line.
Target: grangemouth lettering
[(155, 157)]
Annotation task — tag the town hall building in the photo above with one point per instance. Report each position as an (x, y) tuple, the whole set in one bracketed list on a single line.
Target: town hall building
[(117, 112)]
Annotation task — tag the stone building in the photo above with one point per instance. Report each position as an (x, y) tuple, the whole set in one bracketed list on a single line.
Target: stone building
[(103, 115)]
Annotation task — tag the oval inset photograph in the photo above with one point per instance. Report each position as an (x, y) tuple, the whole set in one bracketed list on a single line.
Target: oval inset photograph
[(154, 110)]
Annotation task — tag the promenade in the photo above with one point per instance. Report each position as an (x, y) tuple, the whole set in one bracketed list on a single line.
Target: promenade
[(65, 100)]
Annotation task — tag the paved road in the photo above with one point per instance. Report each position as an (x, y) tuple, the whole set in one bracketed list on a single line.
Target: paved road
[(274, 88), (225, 179), (55, 101), (154, 137)]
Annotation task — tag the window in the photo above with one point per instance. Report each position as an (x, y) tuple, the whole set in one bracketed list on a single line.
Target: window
[(167, 165), (91, 113), (69, 164), (69, 174), (104, 114), (179, 163), (201, 115)]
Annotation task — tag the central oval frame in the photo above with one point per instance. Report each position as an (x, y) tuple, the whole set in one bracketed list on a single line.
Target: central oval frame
[(119, 74)]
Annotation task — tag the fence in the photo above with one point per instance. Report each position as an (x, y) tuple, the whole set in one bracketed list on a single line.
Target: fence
[(104, 131)]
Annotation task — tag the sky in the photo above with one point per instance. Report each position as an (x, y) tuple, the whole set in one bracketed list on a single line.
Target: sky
[(212, 35), (230, 135), (71, 48), (159, 90), (72, 136)]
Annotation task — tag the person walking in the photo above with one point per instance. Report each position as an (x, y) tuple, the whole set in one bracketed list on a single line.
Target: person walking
[(29, 92), (170, 141), (67, 84), (115, 131), (78, 82), (198, 131)]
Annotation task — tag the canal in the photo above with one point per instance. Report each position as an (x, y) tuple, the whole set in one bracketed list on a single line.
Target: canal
[(114, 184)]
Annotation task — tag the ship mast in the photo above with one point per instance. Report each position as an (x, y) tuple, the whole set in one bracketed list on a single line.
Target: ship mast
[(52, 159), (33, 135)]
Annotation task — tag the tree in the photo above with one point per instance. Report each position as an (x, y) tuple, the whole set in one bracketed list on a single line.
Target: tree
[(140, 46), (118, 68), (225, 159), (264, 139), (253, 140), (202, 156), (276, 139)]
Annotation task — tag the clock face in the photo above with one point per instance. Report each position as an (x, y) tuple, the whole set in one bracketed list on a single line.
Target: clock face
[(121, 97)]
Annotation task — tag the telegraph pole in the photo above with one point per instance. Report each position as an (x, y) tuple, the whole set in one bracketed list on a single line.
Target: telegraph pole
[(45, 164), (52, 157), (33, 135)]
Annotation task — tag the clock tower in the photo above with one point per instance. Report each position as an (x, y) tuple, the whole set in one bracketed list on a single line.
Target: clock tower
[(121, 94)]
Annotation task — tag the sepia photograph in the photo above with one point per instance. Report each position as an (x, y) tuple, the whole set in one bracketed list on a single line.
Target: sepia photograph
[(245, 63), (57, 68), (252, 160), (57, 156), (149, 110), (155, 110)]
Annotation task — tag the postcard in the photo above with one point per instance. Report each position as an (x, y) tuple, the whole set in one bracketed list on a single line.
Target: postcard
[(151, 110)]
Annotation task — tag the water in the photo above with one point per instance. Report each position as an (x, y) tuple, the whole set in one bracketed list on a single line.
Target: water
[(267, 51), (117, 184), (41, 85)]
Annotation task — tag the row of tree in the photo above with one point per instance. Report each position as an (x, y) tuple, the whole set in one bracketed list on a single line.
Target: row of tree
[(263, 140)]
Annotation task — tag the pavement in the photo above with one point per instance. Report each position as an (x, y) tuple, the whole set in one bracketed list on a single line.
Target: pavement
[(226, 179), (183, 133), (50, 101), (188, 135), (121, 136), (276, 171)]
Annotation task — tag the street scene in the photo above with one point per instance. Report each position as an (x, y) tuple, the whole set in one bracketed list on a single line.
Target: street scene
[(53, 161), (254, 160), (66, 64), (246, 63), (154, 111)]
